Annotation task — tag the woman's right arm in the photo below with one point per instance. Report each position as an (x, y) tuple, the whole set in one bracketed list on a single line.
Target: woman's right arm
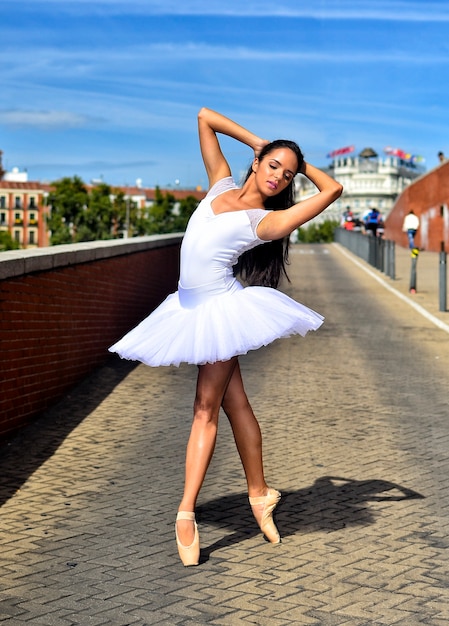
[(209, 124)]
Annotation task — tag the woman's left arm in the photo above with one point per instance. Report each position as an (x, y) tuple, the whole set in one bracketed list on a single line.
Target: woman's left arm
[(209, 124), (279, 224)]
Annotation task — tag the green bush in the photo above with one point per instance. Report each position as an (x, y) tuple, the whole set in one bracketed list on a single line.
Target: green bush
[(7, 242), (318, 233)]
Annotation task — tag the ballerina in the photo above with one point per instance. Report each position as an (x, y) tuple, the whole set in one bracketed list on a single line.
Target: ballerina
[(212, 318)]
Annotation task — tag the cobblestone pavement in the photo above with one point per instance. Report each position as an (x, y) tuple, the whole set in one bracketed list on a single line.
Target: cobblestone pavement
[(356, 436)]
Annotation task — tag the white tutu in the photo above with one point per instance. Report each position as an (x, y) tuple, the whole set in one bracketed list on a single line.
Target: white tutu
[(212, 317), (217, 328)]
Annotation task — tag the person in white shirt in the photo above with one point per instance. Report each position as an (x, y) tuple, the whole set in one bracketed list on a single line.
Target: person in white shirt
[(410, 226)]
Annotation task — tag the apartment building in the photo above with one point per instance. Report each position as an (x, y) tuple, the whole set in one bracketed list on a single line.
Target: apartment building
[(23, 210)]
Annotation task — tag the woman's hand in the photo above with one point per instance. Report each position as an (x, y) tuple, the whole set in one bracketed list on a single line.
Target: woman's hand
[(209, 124), (259, 146)]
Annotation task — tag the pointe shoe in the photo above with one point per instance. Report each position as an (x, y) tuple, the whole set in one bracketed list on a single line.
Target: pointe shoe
[(267, 525), (190, 555)]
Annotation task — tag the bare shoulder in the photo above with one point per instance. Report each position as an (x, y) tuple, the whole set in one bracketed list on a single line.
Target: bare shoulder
[(227, 202)]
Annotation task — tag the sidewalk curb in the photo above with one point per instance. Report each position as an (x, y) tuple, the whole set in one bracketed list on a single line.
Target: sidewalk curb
[(421, 310)]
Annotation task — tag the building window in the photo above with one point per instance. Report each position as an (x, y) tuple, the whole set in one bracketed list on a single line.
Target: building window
[(32, 218), (2, 202), (31, 237), (32, 204), (2, 219), (17, 202), (17, 236)]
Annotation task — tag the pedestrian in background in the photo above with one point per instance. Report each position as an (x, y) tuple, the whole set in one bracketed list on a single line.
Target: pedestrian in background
[(373, 221), (349, 222), (410, 226)]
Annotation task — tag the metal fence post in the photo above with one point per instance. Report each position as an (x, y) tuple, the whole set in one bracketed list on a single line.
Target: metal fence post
[(381, 254), (392, 273), (443, 279), (378, 252), (415, 254)]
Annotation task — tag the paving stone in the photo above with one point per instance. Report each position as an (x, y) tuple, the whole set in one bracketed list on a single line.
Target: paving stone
[(356, 437)]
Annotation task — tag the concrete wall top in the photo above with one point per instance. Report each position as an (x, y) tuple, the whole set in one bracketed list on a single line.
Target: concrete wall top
[(16, 263)]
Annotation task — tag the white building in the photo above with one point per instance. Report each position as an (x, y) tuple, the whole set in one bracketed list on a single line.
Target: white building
[(16, 176), (368, 181)]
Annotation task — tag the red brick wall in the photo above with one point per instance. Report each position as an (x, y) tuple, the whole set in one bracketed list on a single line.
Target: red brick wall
[(428, 198), (56, 325)]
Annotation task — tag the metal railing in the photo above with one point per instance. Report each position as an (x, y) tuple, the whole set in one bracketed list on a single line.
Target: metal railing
[(378, 252)]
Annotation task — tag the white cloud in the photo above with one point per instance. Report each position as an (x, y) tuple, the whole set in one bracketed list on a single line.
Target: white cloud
[(43, 119), (384, 10), (193, 51), (82, 64), (92, 165)]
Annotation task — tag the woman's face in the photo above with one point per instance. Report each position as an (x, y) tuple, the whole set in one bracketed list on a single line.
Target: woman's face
[(275, 171)]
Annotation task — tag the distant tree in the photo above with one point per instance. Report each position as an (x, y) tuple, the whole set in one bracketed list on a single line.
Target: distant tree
[(119, 213), (318, 233), (161, 214), (77, 214), (140, 225), (7, 242), (60, 230), (186, 208), (67, 202), (168, 216), (95, 221), (124, 216)]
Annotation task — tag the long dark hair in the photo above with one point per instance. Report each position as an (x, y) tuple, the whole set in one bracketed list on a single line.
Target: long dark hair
[(266, 264)]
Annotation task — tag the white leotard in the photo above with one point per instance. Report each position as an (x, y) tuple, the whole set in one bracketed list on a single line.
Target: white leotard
[(212, 245), (212, 317)]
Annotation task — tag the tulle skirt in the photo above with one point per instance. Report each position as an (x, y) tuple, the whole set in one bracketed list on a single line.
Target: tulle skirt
[(205, 326)]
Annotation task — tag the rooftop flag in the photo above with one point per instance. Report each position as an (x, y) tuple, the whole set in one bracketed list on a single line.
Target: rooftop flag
[(405, 156), (340, 151), (397, 152)]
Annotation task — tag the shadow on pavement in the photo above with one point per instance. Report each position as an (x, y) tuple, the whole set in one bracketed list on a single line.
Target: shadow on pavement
[(26, 451), (332, 503)]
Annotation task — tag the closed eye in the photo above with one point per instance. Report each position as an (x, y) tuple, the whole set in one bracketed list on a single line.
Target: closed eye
[(288, 175)]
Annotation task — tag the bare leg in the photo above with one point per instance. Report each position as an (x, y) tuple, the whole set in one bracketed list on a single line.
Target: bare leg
[(213, 379), (247, 435), (248, 439)]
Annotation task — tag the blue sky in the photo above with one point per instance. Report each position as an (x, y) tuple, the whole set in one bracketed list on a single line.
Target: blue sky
[(111, 88)]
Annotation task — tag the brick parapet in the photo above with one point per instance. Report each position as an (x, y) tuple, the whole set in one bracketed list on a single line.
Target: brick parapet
[(62, 307)]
